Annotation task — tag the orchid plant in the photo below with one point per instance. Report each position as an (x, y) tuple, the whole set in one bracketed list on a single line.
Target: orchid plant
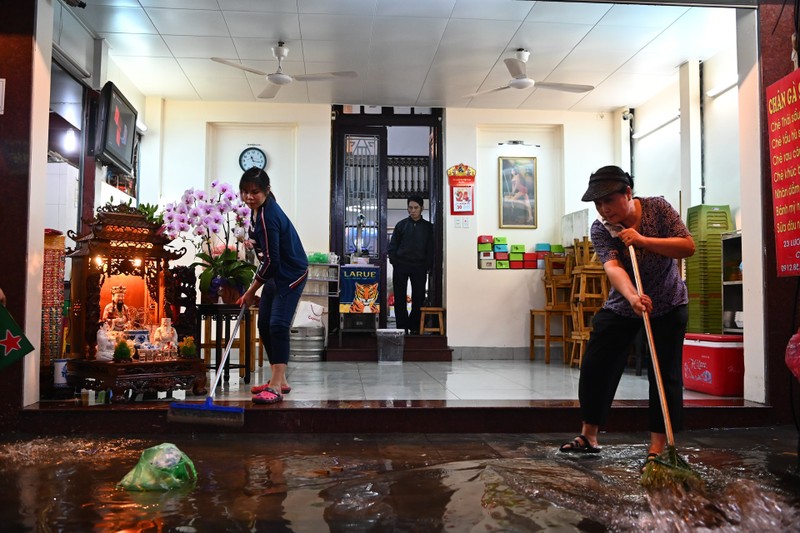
[(217, 224)]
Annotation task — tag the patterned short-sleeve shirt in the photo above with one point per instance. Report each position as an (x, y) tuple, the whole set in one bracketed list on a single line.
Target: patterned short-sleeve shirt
[(660, 276)]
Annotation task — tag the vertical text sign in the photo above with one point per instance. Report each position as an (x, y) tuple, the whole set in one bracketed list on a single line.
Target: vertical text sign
[(783, 117)]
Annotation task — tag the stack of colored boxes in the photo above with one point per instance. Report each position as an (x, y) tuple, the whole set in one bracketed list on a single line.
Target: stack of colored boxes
[(496, 253), (500, 247), (541, 249), (485, 253), (516, 256), (529, 260)]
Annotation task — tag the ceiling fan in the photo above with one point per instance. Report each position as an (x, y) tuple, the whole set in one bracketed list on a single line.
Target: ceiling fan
[(520, 80), (280, 78)]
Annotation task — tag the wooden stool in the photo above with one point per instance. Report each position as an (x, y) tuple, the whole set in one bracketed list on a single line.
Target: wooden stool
[(547, 314), (209, 342), (255, 339), (581, 330), (438, 312), (590, 285)]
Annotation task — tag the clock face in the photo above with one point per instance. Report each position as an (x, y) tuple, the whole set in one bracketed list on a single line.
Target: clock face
[(252, 157)]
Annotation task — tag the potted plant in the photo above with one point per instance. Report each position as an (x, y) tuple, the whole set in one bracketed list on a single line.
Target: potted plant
[(187, 347), (122, 352), (217, 224)]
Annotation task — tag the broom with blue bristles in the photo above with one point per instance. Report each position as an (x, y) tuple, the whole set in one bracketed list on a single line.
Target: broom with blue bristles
[(207, 412)]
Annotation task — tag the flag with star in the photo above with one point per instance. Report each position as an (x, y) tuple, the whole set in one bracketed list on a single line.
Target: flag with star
[(13, 343)]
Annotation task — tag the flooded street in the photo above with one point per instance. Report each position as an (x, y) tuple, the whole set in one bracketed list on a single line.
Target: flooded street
[(401, 482)]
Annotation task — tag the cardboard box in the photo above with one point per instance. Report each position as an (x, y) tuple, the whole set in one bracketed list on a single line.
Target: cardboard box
[(486, 264), (485, 247), (529, 264), (501, 264), (485, 239), (485, 255), (501, 240), (501, 256), (518, 248), (714, 364), (500, 247), (515, 265), (515, 256)]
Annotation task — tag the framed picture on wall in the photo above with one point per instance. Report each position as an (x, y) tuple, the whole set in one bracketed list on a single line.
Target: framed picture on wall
[(517, 177)]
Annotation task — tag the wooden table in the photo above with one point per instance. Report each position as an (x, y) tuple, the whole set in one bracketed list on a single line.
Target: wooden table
[(224, 314), (125, 380)]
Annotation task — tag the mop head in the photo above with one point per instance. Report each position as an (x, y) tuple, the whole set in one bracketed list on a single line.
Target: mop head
[(206, 413), (669, 470)]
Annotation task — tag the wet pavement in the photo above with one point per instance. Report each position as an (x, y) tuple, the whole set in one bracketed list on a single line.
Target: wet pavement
[(400, 482)]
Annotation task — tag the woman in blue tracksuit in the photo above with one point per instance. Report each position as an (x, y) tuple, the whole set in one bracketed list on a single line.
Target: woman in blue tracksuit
[(282, 273)]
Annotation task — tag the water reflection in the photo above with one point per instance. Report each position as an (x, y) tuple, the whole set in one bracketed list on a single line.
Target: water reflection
[(389, 483)]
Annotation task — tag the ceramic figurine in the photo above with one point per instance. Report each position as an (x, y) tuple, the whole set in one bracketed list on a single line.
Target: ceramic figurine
[(116, 314), (165, 334)]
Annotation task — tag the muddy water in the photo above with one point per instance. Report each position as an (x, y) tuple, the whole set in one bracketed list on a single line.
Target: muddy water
[(386, 483)]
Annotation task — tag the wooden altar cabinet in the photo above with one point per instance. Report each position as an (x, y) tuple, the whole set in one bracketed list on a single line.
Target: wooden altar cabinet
[(120, 241)]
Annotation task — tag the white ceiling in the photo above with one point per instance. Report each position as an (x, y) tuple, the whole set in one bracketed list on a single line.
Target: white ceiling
[(425, 53)]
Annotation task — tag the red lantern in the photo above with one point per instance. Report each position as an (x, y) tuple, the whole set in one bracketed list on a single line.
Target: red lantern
[(793, 354)]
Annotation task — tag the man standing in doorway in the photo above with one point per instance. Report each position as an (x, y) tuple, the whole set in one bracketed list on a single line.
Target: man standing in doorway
[(411, 255)]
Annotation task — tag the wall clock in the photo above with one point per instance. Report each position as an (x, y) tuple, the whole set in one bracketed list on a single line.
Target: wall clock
[(252, 157)]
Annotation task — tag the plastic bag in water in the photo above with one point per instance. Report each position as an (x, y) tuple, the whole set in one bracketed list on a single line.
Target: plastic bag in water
[(162, 467)]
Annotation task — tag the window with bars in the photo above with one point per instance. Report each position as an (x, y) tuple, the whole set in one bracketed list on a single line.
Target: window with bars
[(362, 194)]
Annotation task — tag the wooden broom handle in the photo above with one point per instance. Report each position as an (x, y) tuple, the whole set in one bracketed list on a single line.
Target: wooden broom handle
[(662, 397)]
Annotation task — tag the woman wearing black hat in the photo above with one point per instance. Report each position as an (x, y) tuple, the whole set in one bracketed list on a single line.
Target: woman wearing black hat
[(660, 238)]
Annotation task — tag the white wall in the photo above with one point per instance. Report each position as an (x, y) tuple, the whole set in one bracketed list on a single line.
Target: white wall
[(721, 134), (61, 203), (657, 156), (488, 311), (296, 139)]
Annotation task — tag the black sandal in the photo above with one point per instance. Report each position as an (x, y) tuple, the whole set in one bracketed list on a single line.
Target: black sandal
[(651, 457), (579, 444)]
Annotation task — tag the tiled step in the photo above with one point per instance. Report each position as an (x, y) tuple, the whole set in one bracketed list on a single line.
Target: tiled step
[(384, 416), (364, 347)]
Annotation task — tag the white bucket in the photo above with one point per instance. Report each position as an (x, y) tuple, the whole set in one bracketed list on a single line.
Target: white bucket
[(60, 373)]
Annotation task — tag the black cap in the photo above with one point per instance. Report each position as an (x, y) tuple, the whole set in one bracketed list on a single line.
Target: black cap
[(606, 181)]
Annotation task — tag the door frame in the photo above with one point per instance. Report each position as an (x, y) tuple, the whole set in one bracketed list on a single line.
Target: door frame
[(347, 123)]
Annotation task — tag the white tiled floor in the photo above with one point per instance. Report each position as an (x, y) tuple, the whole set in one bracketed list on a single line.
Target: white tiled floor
[(456, 380)]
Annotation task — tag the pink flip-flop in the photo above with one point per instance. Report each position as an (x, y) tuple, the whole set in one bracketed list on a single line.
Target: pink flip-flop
[(259, 388), (267, 396)]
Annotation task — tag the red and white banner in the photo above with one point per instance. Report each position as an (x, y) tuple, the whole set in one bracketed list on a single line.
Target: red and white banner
[(783, 117)]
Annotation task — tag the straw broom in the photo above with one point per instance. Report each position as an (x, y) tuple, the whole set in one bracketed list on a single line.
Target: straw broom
[(668, 469)]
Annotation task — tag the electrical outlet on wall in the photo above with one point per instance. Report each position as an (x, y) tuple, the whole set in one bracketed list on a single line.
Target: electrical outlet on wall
[(465, 223)]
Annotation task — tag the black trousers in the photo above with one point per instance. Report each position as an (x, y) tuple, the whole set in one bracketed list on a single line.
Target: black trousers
[(400, 276), (606, 356)]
